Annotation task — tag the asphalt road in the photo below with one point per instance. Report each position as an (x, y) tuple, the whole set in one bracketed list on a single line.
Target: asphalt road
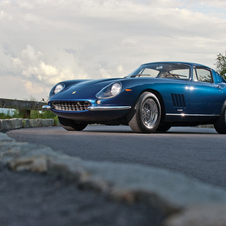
[(199, 153), (29, 199)]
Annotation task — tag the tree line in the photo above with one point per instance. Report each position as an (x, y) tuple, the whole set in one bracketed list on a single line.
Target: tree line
[(221, 64)]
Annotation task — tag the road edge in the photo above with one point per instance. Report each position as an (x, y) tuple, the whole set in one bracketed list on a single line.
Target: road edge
[(186, 201), (17, 123)]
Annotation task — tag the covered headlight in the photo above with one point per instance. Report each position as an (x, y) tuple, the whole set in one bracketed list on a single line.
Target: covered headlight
[(109, 91), (58, 88)]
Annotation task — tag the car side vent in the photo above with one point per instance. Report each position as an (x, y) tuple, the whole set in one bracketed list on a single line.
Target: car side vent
[(178, 100)]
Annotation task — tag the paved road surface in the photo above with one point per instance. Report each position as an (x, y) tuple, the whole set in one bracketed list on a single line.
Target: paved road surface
[(197, 152), (29, 199)]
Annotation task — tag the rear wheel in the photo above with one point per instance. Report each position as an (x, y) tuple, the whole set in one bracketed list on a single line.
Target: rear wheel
[(71, 125), (220, 124), (146, 115)]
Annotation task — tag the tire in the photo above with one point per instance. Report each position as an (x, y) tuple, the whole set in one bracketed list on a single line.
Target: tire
[(163, 128), (220, 124), (145, 116), (71, 125)]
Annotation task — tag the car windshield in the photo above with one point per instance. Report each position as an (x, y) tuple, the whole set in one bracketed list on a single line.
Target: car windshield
[(162, 70)]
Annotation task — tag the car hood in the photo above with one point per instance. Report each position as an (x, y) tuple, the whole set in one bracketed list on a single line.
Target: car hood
[(83, 90)]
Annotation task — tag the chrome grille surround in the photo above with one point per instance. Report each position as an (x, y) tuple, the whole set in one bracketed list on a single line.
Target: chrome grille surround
[(71, 105)]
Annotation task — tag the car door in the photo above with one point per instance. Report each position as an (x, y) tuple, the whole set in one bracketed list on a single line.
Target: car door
[(205, 94)]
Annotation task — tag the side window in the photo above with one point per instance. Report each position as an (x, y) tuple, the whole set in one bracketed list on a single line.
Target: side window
[(204, 75), (180, 73), (149, 72)]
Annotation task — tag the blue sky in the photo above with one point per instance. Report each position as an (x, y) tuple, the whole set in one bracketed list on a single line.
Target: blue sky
[(44, 42), (204, 7)]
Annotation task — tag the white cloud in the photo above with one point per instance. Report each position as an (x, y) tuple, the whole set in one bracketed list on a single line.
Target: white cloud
[(32, 65), (44, 42)]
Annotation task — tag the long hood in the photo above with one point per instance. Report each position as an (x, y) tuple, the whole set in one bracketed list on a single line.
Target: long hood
[(83, 90)]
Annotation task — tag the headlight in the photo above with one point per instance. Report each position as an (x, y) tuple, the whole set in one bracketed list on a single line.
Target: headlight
[(58, 88), (116, 88), (109, 91)]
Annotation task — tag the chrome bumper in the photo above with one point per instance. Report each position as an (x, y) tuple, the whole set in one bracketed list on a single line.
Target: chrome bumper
[(108, 108), (46, 108), (96, 108)]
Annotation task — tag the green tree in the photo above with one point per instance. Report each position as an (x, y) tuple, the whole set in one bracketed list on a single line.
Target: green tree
[(221, 64)]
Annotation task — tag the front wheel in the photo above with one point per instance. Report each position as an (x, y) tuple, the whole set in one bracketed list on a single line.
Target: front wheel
[(71, 125), (220, 124), (146, 115)]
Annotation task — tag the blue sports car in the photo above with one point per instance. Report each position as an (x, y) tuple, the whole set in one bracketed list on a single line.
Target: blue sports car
[(152, 98)]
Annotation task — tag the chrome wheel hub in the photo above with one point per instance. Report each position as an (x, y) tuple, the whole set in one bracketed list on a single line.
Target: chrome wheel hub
[(149, 113)]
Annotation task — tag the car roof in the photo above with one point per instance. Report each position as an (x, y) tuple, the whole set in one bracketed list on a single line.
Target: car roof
[(176, 62)]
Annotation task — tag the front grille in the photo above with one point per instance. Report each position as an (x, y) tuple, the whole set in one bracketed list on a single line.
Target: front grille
[(71, 106)]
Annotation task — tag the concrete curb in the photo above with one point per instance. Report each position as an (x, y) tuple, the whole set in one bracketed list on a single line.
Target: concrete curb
[(17, 123), (194, 203)]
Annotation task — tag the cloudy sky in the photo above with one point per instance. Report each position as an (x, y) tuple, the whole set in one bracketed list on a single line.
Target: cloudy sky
[(43, 42)]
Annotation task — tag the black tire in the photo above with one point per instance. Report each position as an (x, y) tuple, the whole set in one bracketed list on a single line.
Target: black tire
[(146, 115), (163, 128), (220, 124), (71, 125)]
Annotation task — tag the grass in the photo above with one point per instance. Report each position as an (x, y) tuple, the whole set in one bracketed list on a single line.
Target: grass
[(9, 115)]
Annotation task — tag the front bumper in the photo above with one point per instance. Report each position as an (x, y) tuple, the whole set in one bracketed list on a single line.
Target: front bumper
[(95, 108), (46, 108), (108, 108), (93, 114)]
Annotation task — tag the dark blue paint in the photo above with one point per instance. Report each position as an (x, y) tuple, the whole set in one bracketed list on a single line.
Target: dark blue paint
[(177, 96)]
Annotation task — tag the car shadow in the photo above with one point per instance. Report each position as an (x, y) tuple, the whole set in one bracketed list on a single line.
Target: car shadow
[(127, 130)]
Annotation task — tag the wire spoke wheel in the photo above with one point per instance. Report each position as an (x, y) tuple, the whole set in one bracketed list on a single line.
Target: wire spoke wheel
[(149, 113), (146, 114), (225, 116), (220, 124)]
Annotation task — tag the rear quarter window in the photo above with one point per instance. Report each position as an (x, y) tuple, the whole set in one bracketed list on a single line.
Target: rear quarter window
[(204, 75)]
